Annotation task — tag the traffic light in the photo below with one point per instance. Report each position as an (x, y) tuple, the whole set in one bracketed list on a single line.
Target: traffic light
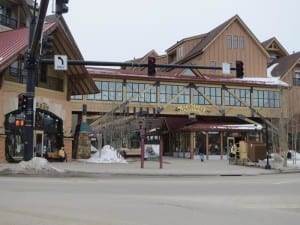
[(47, 45), (151, 66), (20, 122), (239, 66), (61, 6), (22, 102)]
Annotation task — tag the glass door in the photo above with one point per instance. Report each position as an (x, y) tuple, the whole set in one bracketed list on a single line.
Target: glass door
[(38, 143)]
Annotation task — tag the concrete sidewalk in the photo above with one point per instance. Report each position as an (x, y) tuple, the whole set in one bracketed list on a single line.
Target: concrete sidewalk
[(171, 167)]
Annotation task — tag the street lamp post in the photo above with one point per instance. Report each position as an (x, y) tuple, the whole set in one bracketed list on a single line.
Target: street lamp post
[(267, 166), (35, 32), (161, 144), (142, 136)]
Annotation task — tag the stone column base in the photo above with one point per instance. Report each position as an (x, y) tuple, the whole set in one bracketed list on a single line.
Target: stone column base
[(2, 148), (68, 147)]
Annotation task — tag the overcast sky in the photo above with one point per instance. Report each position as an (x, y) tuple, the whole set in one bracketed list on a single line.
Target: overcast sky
[(119, 30)]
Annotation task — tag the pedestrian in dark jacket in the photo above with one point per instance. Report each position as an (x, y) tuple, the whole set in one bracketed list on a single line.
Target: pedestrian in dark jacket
[(201, 152)]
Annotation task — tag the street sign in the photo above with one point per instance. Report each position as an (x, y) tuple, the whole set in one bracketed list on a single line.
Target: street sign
[(226, 68), (60, 62)]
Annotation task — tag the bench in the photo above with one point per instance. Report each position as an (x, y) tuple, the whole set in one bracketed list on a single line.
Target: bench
[(53, 156), (127, 152)]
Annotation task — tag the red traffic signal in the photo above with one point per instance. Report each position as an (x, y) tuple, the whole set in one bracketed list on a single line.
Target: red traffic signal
[(239, 69), (22, 102), (151, 66)]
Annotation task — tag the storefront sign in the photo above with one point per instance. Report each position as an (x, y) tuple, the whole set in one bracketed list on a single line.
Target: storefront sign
[(192, 108)]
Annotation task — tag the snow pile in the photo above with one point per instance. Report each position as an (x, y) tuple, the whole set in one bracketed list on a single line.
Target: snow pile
[(106, 155), (277, 161), (37, 164), (294, 160)]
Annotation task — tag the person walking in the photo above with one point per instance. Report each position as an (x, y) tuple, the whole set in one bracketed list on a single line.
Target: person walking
[(201, 152)]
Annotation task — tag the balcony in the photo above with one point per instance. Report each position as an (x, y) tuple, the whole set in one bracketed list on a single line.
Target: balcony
[(7, 21)]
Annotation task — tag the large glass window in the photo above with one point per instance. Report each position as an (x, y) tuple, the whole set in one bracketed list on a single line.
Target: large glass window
[(168, 92), (109, 91), (213, 93), (134, 89), (265, 98), (243, 94)]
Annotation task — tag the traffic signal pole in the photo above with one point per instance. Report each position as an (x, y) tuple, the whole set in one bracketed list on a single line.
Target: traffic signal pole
[(122, 64), (35, 32)]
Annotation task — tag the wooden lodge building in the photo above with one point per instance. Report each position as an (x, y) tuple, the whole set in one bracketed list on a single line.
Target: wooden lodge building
[(185, 108), (191, 107)]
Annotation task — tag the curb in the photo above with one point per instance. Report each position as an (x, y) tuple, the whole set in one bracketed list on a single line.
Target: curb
[(82, 174)]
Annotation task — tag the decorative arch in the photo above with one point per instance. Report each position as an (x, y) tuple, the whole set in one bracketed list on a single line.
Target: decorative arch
[(47, 124)]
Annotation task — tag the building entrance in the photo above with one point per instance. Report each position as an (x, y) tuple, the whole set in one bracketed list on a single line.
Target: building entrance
[(39, 149), (48, 134)]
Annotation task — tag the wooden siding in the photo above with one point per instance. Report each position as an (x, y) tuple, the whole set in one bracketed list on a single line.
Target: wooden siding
[(188, 46), (255, 60)]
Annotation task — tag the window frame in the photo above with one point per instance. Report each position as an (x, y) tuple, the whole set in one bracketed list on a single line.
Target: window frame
[(229, 41), (169, 91)]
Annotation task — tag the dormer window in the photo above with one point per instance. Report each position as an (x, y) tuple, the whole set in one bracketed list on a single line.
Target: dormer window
[(180, 52), (172, 57), (297, 78)]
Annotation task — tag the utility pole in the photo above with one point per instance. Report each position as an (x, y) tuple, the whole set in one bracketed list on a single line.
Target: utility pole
[(35, 32)]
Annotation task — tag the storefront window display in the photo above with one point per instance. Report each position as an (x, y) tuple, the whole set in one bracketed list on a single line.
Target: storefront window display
[(48, 134)]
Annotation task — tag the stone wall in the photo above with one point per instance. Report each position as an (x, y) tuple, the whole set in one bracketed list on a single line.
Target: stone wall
[(2, 148), (83, 150)]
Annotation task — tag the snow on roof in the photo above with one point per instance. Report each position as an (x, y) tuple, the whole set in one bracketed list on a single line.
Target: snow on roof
[(266, 80), (270, 69)]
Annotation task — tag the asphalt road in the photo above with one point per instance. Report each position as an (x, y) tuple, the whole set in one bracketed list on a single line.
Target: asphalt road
[(138, 200)]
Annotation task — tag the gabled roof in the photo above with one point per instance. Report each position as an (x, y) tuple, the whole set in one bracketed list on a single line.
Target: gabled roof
[(15, 42), (11, 44), (285, 64), (268, 43), (144, 59), (196, 37), (214, 34)]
